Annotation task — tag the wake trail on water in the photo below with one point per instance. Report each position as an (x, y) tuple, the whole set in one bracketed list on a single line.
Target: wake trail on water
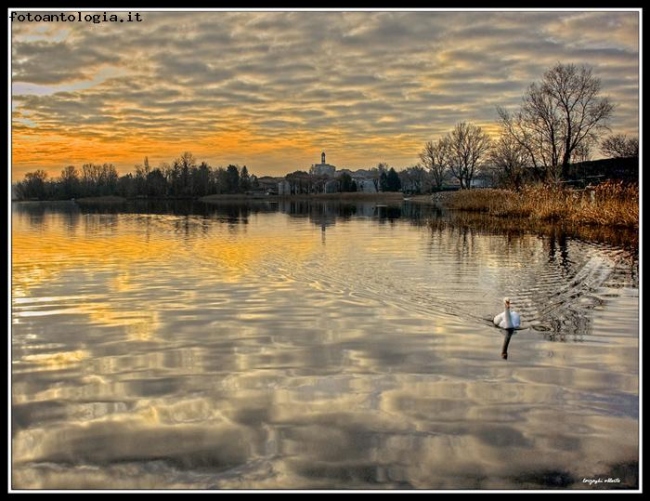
[(550, 296)]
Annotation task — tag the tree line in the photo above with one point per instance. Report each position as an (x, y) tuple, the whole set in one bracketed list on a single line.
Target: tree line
[(183, 178), (560, 121)]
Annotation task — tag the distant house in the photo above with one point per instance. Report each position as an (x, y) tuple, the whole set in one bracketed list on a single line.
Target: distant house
[(365, 180), (365, 185), (482, 180), (269, 184)]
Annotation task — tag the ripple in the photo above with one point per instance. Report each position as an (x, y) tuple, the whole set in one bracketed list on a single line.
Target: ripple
[(222, 350)]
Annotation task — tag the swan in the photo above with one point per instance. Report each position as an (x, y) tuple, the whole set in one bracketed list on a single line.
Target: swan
[(508, 319)]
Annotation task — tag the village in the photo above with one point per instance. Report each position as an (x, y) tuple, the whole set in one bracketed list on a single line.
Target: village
[(325, 178)]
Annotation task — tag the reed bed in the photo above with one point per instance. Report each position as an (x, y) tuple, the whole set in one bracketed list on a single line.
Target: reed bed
[(608, 204)]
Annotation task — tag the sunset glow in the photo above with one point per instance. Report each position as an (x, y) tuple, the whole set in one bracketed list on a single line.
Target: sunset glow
[(272, 89)]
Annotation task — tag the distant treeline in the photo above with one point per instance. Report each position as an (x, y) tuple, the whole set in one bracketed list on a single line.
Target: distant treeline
[(184, 178)]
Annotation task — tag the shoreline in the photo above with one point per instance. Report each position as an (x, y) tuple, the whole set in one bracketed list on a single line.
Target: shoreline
[(393, 197), (465, 214), (351, 196)]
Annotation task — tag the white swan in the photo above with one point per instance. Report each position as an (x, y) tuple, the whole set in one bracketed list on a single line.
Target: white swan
[(508, 319)]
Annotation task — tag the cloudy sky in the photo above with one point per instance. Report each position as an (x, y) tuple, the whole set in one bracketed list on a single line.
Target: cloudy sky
[(272, 89)]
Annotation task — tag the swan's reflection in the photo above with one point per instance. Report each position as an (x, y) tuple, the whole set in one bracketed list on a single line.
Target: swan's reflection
[(506, 342)]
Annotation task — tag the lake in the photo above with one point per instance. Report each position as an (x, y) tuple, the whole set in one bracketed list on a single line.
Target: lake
[(316, 346)]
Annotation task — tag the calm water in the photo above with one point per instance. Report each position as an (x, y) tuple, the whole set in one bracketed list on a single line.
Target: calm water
[(315, 346)]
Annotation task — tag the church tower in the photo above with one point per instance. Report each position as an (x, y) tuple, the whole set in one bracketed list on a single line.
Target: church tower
[(323, 168)]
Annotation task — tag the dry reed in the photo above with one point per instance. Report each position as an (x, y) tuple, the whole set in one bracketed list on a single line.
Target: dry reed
[(608, 204)]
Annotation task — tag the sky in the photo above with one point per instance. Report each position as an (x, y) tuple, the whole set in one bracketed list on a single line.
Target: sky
[(273, 89)]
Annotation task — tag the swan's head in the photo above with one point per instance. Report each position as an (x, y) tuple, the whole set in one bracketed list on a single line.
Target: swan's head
[(506, 302)]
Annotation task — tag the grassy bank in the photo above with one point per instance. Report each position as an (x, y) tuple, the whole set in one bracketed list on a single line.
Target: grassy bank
[(608, 204)]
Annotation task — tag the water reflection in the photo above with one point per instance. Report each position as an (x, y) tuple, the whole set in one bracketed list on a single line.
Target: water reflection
[(506, 342), (234, 211), (483, 224), (228, 348)]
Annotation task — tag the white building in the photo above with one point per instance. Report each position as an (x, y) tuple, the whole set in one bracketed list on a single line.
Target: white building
[(365, 185), (365, 180), (284, 187)]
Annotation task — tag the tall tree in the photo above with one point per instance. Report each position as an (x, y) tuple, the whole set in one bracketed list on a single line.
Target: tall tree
[(393, 182), (433, 157), (346, 183), (33, 186), (509, 159), (232, 179), (413, 179), (126, 186), (108, 178), (141, 173), (70, 182), (466, 147), (220, 180), (182, 170), (90, 176), (201, 180), (377, 174), (557, 115), (244, 180), (157, 184)]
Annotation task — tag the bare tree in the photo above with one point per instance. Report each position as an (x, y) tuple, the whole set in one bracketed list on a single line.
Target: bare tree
[(413, 179), (141, 173), (509, 158), (180, 174), (619, 146), (530, 140), (557, 115), (33, 186), (433, 157), (465, 146), (69, 182)]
